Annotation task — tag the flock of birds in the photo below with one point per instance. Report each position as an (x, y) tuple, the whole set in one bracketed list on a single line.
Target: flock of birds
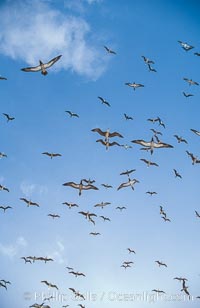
[(88, 184)]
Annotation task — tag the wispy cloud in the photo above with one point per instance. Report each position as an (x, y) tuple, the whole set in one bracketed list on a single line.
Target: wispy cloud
[(11, 250), (33, 30), (59, 253), (28, 189)]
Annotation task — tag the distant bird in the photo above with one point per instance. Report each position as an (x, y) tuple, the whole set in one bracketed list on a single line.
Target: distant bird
[(131, 250), (191, 82), (151, 193), (156, 132), (51, 155), (130, 183), (151, 69), (76, 274), (125, 266), (147, 61), (185, 46), (50, 285), (153, 120), (9, 118), (4, 208), (29, 202), (197, 54), (102, 204), (105, 218), (152, 144), (42, 66), (126, 146), (195, 159), (107, 134), (2, 155), (3, 285), (187, 94), (180, 139), (26, 260), (161, 263), (128, 262), (165, 218), (107, 144), (103, 101), (197, 214), (195, 131), (69, 268), (54, 215), (106, 185), (88, 216), (127, 117), (76, 293), (127, 172), (70, 204), (4, 188), (3, 78), (82, 306), (177, 174), (95, 233), (158, 291), (162, 212), (161, 123), (121, 208), (89, 181), (72, 114), (134, 85), (45, 259), (180, 279), (80, 186), (149, 163), (109, 50)]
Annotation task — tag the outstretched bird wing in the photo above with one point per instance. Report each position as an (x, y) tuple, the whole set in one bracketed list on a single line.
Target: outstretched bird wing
[(52, 61)]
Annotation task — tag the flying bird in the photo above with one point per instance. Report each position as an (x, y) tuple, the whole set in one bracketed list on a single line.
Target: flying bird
[(161, 264), (29, 202), (187, 94), (191, 82), (152, 144), (134, 85), (51, 155), (72, 114), (109, 50), (102, 204), (70, 204), (121, 208), (26, 260), (153, 120), (42, 66), (180, 139), (107, 134), (95, 233), (149, 163), (76, 293), (50, 285), (127, 172), (151, 69), (129, 183), (2, 155), (3, 78), (76, 274), (54, 215), (103, 101), (4, 208), (131, 250), (185, 46), (158, 291), (106, 185), (4, 188), (195, 131), (127, 117), (195, 159), (105, 218), (151, 193), (107, 144), (177, 174), (147, 61), (9, 118), (80, 186), (197, 54), (166, 219), (156, 132)]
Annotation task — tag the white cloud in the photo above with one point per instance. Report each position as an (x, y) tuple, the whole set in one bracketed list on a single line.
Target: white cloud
[(33, 30), (58, 254), (28, 189), (11, 250)]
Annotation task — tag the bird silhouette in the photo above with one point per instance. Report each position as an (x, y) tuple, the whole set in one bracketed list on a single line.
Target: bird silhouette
[(9, 118), (130, 183), (80, 186), (127, 117), (4, 208), (107, 134), (72, 114), (107, 144), (51, 155), (185, 46), (187, 94), (149, 163), (54, 215), (4, 188), (161, 264), (191, 82), (104, 102), (177, 174), (42, 66), (50, 285), (110, 51), (134, 85), (29, 202), (180, 139)]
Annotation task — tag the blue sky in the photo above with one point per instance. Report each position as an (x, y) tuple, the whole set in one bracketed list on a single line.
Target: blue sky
[(78, 30)]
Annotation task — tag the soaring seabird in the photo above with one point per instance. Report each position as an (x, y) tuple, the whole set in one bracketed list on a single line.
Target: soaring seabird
[(80, 186), (180, 139), (191, 82), (107, 134), (127, 172), (147, 61), (29, 202), (129, 183), (149, 163), (51, 155), (134, 85), (107, 144), (109, 50), (195, 159), (127, 117), (50, 285), (104, 101), (9, 118), (152, 144), (42, 66), (72, 114), (70, 204), (161, 263), (177, 174), (4, 188), (195, 131), (187, 94), (102, 204), (185, 46), (4, 208)]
